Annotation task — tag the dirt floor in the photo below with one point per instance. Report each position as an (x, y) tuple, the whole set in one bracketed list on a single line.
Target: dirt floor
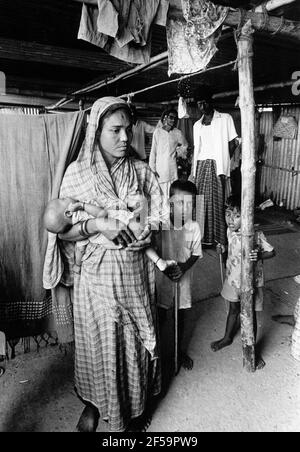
[(218, 395)]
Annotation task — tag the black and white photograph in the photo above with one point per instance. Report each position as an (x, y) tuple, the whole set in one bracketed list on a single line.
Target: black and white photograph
[(150, 219)]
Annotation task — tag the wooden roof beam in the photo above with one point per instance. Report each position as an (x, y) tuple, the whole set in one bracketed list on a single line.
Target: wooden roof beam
[(259, 19), (268, 24)]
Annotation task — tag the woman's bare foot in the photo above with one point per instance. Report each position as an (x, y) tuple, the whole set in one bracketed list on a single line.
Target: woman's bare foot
[(218, 345), (141, 423), (285, 319), (186, 362), (88, 421)]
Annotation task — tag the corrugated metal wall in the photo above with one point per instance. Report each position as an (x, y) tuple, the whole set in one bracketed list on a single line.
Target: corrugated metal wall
[(280, 178), (20, 110)]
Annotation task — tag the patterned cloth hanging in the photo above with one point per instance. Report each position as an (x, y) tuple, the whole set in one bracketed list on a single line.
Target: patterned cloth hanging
[(286, 127), (192, 39), (34, 152)]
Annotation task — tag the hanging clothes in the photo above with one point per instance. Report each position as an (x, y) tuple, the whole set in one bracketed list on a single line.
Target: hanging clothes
[(33, 154), (123, 28), (192, 39), (139, 130), (182, 108)]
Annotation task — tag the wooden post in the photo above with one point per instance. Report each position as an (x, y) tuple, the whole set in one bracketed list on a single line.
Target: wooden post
[(247, 107)]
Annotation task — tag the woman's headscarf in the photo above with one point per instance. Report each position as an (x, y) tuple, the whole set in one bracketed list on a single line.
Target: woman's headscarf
[(112, 186), (89, 179)]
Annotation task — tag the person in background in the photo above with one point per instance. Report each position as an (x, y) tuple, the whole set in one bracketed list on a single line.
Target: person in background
[(139, 130), (168, 143), (214, 144)]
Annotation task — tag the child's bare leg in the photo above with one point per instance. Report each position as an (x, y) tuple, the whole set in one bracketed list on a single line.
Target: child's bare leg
[(232, 326), (285, 319), (185, 360)]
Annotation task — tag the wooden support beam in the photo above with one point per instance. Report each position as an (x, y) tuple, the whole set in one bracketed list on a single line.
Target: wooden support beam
[(263, 22), (12, 49), (247, 107), (266, 87), (259, 20)]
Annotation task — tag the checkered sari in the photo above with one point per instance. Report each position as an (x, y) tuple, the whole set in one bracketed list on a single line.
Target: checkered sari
[(116, 357)]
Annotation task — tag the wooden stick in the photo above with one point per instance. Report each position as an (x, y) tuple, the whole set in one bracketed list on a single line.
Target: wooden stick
[(247, 107), (177, 5), (221, 268), (268, 24), (219, 252), (176, 309), (274, 24), (257, 88), (154, 62)]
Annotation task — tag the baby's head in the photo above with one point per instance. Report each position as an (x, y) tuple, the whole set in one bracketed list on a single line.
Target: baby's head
[(233, 213), (182, 201), (57, 218)]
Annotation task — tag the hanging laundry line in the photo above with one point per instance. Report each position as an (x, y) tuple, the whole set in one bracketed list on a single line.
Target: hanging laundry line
[(155, 61), (158, 85), (66, 100)]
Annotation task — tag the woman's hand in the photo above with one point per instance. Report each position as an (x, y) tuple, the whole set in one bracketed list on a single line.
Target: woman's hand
[(116, 231), (143, 241)]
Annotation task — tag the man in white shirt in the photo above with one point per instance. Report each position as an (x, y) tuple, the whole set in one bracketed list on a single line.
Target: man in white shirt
[(214, 143), (139, 129), (168, 143)]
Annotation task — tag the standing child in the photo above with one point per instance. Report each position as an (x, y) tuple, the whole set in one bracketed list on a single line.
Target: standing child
[(180, 240), (231, 290)]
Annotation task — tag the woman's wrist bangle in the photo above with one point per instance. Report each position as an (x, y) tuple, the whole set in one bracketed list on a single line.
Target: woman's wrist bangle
[(157, 260), (83, 229)]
